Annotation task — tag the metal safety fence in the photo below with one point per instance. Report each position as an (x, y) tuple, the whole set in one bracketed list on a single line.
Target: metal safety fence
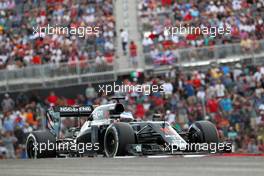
[(55, 75), (220, 53)]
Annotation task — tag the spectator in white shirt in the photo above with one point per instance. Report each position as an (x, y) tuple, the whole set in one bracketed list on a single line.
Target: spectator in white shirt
[(168, 88), (124, 40), (220, 89)]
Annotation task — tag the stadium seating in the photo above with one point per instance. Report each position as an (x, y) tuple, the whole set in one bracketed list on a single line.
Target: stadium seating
[(21, 47), (244, 17)]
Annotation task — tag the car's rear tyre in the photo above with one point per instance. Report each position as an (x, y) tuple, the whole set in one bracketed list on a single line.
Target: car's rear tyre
[(203, 132), (41, 144), (117, 138)]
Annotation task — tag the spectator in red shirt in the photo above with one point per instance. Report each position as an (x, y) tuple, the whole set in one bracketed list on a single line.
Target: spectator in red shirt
[(212, 105), (52, 99), (196, 82), (140, 111), (36, 60), (133, 53), (166, 2), (109, 58), (70, 102), (187, 17), (159, 102)]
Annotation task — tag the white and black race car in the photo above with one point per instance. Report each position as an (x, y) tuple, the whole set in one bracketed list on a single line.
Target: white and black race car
[(111, 131)]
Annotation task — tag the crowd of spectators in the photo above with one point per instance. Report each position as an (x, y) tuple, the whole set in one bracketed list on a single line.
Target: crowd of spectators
[(232, 98), (18, 117), (21, 46), (245, 17)]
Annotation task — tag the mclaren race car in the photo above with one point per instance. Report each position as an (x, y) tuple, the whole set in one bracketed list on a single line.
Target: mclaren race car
[(110, 131)]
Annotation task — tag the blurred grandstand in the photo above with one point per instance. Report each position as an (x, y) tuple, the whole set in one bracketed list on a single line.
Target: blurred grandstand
[(220, 79)]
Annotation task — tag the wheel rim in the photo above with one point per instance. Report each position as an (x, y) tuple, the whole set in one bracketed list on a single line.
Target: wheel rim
[(111, 144), (30, 149)]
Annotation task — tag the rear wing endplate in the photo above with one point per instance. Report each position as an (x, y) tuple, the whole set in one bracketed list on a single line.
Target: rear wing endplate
[(54, 114)]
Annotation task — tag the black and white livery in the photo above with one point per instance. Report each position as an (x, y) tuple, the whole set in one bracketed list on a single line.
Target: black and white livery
[(112, 131)]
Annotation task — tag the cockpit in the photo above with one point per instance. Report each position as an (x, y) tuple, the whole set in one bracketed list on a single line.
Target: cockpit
[(112, 111)]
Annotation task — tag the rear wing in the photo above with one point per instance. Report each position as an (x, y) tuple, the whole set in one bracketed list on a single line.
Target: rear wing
[(69, 111), (54, 114)]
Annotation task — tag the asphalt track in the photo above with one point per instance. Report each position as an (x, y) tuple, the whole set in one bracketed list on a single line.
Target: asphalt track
[(161, 166)]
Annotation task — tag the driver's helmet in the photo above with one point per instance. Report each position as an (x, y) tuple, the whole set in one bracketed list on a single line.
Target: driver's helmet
[(126, 117)]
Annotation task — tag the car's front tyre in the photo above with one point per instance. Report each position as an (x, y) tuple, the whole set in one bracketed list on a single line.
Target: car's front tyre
[(203, 132), (117, 138)]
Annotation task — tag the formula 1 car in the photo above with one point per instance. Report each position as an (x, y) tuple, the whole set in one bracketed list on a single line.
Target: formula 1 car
[(111, 131)]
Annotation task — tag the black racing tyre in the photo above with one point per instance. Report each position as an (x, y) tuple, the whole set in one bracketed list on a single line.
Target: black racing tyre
[(116, 139), (35, 140), (203, 132)]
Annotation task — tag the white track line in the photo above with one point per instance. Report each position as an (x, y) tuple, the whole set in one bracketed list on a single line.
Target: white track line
[(160, 156), (193, 156), (125, 157)]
